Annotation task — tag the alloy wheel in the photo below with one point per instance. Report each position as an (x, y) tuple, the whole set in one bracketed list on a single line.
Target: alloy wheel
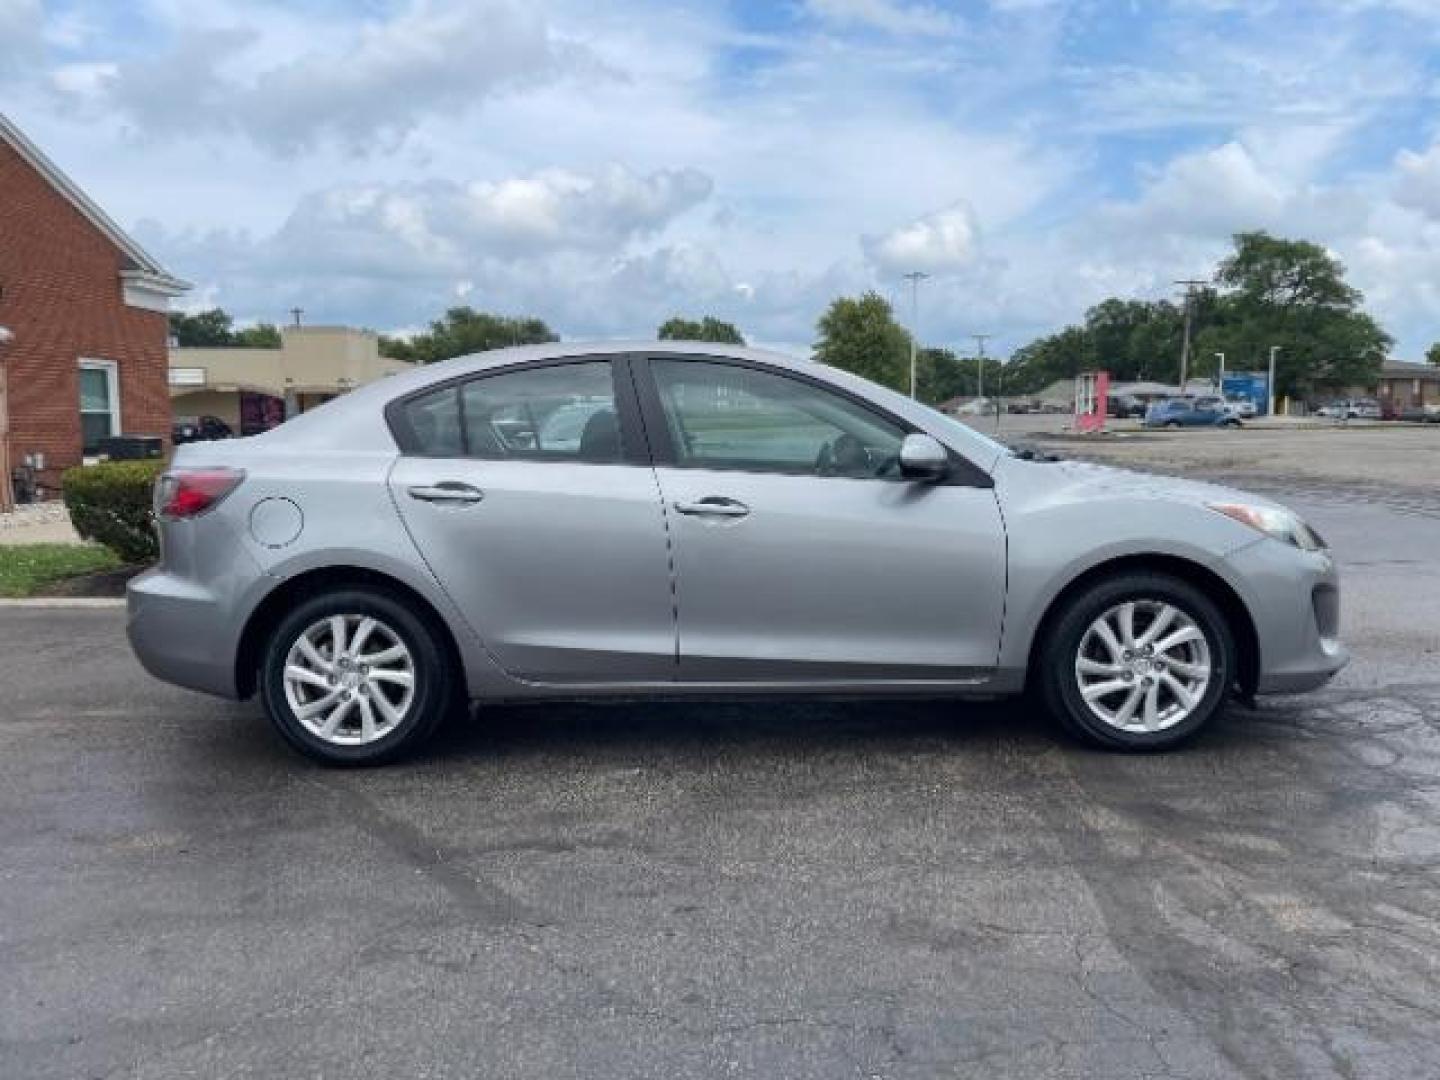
[(350, 679), (1143, 666)]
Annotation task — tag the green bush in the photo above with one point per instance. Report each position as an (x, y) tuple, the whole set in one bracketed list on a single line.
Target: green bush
[(110, 504)]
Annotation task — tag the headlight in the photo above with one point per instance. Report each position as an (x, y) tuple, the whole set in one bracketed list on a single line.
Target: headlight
[(1274, 521)]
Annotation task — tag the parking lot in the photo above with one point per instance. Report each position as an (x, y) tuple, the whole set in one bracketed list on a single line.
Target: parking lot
[(782, 890)]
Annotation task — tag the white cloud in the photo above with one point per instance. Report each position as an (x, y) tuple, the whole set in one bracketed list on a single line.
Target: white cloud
[(889, 16), (441, 226), (1205, 193), (558, 208), (366, 86), (937, 243), (1418, 182)]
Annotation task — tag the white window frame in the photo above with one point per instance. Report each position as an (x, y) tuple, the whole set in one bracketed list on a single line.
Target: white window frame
[(112, 381)]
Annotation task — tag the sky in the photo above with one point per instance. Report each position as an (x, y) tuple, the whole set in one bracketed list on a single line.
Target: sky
[(607, 165)]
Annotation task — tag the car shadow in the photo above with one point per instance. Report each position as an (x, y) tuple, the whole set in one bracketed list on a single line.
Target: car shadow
[(781, 726)]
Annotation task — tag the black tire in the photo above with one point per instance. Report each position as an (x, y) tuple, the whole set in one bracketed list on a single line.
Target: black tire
[(435, 685), (1172, 425), (1061, 646)]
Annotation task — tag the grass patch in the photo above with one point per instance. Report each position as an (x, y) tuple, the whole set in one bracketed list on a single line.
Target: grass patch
[(25, 569)]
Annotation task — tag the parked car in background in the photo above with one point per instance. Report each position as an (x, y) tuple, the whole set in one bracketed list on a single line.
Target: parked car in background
[(976, 407), (368, 567), (1181, 412), (1125, 407), (188, 429), (1243, 407), (1351, 409), (1421, 414)]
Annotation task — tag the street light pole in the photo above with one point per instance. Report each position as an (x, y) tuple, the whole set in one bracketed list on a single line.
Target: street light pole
[(1270, 383), (980, 340), (914, 277), (1220, 384)]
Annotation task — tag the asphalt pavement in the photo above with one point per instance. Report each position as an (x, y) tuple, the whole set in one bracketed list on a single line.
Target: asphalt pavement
[(798, 890)]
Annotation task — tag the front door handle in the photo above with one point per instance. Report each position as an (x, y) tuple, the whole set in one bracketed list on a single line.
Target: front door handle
[(714, 506), (450, 492)]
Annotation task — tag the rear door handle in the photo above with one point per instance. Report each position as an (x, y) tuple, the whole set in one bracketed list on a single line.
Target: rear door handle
[(449, 492), (714, 506)]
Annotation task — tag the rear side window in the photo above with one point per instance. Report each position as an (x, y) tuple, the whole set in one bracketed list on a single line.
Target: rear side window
[(560, 412), (434, 422)]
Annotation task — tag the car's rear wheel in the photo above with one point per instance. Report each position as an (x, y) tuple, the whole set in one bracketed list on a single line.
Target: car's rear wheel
[(355, 677), (1172, 424), (1140, 661)]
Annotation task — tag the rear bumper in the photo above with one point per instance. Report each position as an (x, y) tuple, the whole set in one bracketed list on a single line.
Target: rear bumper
[(179, 633)]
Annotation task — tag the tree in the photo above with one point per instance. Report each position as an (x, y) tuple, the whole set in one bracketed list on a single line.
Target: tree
[(463, 330), (214, 329), (1293, 293), (204, 328), (260, 336), (1269, 291), (709, 328), (861, 335), (940, 375), (1432, 354)]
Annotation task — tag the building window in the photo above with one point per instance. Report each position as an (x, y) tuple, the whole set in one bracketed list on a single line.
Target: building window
[(99, 403)]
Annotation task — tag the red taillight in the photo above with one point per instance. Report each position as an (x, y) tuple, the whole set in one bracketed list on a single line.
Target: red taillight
[(184, 493)]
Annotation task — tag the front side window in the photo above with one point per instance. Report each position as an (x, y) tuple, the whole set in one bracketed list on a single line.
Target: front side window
[(721, 416), (560, 412), (99, 403)]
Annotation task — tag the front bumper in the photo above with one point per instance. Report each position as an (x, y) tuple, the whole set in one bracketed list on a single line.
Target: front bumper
[(1294, 599)]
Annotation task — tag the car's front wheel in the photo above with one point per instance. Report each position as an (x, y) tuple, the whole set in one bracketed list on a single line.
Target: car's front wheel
[(355, 677), (1140, 661)]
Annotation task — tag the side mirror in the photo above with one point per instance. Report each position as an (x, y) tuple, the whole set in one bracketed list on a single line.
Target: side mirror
[(923, 458)]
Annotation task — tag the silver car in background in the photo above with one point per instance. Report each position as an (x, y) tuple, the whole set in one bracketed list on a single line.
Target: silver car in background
[(676, 519)]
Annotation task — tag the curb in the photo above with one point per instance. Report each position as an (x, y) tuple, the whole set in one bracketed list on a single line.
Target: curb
[(92, 602)]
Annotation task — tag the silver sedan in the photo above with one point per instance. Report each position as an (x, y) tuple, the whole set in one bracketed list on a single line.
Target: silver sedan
[(686, 519)]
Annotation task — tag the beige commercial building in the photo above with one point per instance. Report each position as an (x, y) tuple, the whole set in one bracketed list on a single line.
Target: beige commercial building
[(253, 390)]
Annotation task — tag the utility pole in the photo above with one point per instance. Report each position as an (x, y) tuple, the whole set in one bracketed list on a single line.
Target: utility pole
[(980, 340), (914, 277), (1000, 397), (1270, 382), (1189, 284), (295, 313), (1220, 378)]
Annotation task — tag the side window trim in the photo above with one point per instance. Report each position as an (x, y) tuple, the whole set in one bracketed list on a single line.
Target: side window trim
[(662, 448), (634, 444)]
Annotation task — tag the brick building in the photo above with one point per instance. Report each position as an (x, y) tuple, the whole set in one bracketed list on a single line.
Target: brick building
[(86, 308)]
